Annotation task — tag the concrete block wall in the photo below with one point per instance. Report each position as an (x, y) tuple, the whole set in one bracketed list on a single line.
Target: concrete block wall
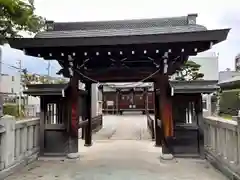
[(19, 143)]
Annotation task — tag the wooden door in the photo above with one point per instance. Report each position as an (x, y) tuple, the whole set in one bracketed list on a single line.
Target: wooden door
[(125, 102), (138, 102), (56, 127), (186, 126)]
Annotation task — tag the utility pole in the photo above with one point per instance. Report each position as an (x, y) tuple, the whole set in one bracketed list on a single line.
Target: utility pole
[(20, 88), (1, 95), (48, 69)]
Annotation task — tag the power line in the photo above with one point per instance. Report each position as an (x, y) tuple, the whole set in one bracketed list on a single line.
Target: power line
[(22, 69), (135, 84)]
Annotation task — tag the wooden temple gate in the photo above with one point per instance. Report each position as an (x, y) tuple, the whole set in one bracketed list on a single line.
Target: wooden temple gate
[(146, 50)]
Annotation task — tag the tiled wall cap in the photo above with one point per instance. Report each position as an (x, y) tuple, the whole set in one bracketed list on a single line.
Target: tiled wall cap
[(192, 18)]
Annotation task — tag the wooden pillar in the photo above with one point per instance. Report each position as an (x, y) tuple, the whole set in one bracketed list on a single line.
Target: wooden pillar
[(83, 114), (117, 101), (158, 134), (166, 115), (200, 124), (42, 125), (88, 128), (145, 100), (74, 115)]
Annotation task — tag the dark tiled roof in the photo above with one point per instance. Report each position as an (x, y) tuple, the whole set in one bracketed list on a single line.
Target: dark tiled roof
[(197, 86), (121, 24), (45, 89), (48, 89), (121, 28)]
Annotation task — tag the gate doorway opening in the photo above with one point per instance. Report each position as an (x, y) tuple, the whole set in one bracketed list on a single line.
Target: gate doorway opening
[(128, 98)]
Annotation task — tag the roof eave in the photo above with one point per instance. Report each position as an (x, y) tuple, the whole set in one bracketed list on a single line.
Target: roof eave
[(214, 36)]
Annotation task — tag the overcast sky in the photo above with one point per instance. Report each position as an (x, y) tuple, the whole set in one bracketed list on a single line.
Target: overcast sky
[(213, 14)]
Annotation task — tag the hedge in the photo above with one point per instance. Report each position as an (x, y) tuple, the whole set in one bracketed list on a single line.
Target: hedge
[(229, 102), (12, 109)]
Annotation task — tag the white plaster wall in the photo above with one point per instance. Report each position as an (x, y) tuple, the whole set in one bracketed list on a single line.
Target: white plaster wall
[(34, 101), (96, 101)]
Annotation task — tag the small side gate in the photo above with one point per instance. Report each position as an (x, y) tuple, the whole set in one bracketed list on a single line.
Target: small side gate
[(55, 117), (185, 99), (187, 130)]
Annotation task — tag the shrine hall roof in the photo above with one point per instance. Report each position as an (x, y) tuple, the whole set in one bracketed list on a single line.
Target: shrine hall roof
[(196, 86), (122, 27)]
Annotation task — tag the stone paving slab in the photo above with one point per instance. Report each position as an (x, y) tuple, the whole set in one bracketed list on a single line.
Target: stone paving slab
[(119, 159), (112, 157), (124, 127)]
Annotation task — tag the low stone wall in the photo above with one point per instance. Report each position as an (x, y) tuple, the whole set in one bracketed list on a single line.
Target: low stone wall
[(150, 125), (19, 143), (222, 145)]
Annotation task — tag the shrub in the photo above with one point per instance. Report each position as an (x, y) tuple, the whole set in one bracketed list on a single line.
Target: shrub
[(12, 109), (229, 102)]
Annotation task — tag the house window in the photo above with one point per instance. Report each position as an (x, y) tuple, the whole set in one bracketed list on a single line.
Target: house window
[(12, 91), (12, 78)]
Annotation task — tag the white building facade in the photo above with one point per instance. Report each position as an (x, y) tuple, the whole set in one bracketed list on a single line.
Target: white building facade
[(209, 64), (10, 84)]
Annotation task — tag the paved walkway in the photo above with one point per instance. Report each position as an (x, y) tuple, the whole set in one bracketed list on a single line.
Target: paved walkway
[(125, 127), (111, 159)]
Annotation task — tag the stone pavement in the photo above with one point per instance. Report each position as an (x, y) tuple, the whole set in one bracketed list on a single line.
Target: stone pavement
[(112, 159), (125, 127)]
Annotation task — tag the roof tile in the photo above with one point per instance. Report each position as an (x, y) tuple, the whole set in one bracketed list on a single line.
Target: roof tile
[(121, 28)]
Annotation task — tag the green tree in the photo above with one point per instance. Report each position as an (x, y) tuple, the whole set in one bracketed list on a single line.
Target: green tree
[(61, 81), (28, 78), (44, 80), (189, 71), (17, 16)]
